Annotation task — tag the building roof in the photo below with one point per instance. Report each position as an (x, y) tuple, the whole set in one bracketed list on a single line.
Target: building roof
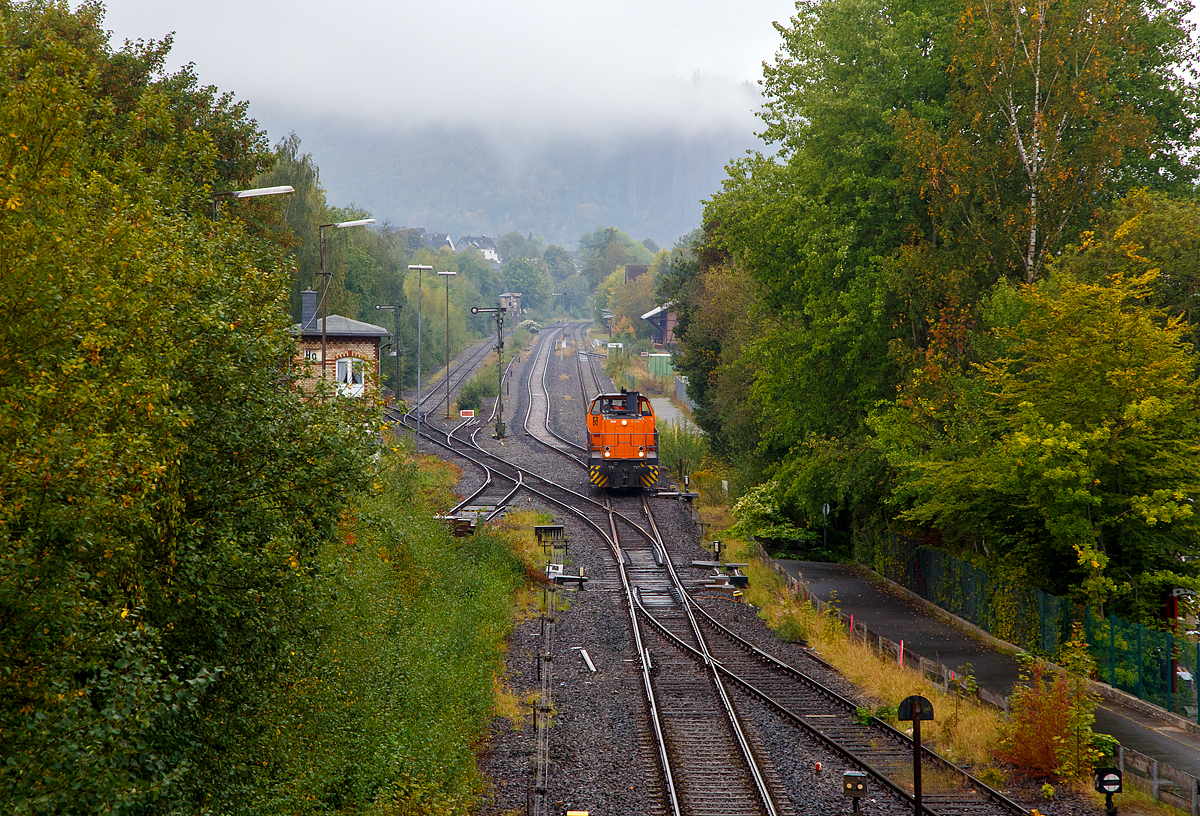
[(343, 327), (666, 307)]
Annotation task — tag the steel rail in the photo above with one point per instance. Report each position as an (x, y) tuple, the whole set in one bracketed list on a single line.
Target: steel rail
[(711, 664)]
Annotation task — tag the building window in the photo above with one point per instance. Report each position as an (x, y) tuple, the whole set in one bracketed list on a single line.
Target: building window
[(350, 376)]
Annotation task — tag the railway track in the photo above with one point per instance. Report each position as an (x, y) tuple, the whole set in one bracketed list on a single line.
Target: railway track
[(694, 670)]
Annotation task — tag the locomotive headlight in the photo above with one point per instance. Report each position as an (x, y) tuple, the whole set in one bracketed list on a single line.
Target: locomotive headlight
[(607, 452), (624, 421)]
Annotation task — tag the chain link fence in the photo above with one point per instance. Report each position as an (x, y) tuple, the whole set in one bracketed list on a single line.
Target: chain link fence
[(1158, 667)]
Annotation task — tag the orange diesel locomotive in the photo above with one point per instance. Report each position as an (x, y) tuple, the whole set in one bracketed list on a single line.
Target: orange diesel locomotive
[(622, 441)]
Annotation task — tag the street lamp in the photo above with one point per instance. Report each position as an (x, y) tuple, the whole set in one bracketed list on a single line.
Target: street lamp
[(420, 268), (257, 191), (326, 275), (447, 273)]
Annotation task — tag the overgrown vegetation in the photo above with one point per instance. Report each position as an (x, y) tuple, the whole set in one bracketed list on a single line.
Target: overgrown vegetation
[(946, 318), (214, 596)]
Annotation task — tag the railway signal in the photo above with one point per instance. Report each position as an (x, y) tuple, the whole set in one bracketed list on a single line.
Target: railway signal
[(916, 708), (854, 786), (498, 314), (1108, 782)]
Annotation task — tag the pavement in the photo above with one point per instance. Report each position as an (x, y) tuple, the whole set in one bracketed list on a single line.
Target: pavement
[(898, 617)]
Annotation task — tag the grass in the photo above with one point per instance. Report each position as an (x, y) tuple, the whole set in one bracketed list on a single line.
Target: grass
[(383, 712), (965, 731)]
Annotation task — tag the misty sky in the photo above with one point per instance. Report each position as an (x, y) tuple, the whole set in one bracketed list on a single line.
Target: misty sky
[(557, 64)]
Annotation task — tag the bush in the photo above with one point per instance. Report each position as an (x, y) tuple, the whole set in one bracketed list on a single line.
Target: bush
[(1050, 725), (482, 386), (678, 441)]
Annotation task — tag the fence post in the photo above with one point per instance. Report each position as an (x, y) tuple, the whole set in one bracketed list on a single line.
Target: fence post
[(1112, 650), (1170, 671), (1140, 675)]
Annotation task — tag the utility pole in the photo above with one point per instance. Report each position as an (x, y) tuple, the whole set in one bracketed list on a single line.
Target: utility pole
[(397, 352), (421, 269)]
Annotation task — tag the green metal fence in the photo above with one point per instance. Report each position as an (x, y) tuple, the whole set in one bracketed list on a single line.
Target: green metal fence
[(1159, 667)]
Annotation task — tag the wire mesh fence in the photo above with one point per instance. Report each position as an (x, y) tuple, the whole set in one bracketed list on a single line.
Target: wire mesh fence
[(1155, 666)]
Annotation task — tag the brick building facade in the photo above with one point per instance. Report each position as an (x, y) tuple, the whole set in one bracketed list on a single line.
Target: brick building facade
[(351, 345)]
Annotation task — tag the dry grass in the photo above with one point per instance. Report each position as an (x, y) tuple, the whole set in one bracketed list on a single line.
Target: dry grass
[(965, 731), (1133, 803), (508, 705)]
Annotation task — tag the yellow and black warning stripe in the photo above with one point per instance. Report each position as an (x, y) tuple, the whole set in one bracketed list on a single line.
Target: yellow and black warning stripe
[(597, 476)]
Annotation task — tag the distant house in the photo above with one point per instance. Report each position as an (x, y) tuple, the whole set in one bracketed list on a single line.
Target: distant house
[(512, 302), (352, 346), (438, 241), (663, 319), (634, 271), (484, 244)]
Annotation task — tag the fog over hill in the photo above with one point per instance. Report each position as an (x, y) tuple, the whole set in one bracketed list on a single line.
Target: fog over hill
[(465, 181)]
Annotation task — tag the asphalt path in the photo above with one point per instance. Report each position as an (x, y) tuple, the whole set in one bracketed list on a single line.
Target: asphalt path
[(899, 618)]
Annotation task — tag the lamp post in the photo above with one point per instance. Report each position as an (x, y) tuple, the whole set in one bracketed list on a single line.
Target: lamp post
[(257, 191), (326, 275), (420, 268), (446, 273), (562, 295), (396, 350)]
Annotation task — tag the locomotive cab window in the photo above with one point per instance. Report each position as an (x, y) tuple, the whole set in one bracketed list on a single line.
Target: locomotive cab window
[(644, 404)]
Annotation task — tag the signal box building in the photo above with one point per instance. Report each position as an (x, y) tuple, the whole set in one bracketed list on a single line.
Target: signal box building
[(352, 347), (512, 302)]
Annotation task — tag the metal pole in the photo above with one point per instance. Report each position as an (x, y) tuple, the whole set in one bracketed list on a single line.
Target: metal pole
[(447, 348), (917, 762), (324, 303), (419, 277), (500, 373)]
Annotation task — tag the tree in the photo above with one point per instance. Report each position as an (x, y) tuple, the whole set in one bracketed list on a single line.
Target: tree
[(1042, 125), (512, 247), (606, 249), (1073, 445), (165, 486), (528, 278), (559, 262)]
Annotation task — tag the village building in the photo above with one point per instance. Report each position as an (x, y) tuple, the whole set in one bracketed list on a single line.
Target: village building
[(663, 319), (635, 271), (486, 245), (352, 347)]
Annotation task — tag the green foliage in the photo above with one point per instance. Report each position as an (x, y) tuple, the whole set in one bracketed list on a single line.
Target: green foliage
[(559, 262), (484, 385), (527, 276), (166, 486), (379, 711), (680, 441), (608, 249), (1074, 447), (758, 514)]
